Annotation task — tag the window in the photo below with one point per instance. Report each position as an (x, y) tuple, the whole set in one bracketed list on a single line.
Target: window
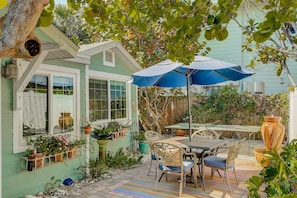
[(35, 101), (108, 58), (107, 99), (37, 109), (98, 97), (48, 105), (118, 100)]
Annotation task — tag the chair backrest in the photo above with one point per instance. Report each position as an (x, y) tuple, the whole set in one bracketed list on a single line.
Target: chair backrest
[(152, 136), (205, 133), (233, 152), (168, 154)]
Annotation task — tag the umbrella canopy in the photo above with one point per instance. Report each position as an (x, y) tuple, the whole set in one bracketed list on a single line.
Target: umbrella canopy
[(202, 71)]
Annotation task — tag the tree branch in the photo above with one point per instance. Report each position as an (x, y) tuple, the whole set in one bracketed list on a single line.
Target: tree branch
[(18, 37)]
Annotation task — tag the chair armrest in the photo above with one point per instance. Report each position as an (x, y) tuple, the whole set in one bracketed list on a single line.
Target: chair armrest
[(192, 155), (214, 152)]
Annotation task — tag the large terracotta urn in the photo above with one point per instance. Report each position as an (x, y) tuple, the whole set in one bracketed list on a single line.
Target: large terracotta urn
[(65, 120), (273, 133)]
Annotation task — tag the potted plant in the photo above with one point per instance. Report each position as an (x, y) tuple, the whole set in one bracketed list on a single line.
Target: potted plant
[(87, 127), (37, 150), (278, 178), (73, 146), (142, 143), (103, 134), (125, 127), (58, 146)]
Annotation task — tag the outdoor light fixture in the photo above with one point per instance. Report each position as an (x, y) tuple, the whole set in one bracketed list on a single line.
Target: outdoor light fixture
[(10, 71)]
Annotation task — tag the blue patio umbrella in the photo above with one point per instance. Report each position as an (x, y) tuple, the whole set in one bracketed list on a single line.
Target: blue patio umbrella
[(202, 71)]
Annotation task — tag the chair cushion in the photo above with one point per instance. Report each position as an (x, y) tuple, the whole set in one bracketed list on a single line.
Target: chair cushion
[(188, 164), (153, 156), (216, 162)]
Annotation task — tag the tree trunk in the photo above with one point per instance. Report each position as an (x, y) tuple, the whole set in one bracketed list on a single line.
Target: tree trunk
[(18, 38)]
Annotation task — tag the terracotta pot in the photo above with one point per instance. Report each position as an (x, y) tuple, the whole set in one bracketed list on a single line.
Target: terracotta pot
[(36, 160), (260, 157), (72, 153), (59, 157), (272, 132), (180, 132), (87, 130)]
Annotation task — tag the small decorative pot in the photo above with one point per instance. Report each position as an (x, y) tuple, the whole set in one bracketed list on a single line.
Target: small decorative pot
[(72, 153), (87, 130), (59, 157), (35, 161)]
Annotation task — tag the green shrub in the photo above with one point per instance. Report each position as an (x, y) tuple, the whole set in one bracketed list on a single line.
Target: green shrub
[(279, 178)]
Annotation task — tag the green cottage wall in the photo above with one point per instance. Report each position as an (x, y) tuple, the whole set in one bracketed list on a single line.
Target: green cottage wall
[(16, 182), (125, 141)]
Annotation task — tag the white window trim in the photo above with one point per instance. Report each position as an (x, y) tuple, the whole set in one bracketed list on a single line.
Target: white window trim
[(108, 63), (97, 75), (19, 142)]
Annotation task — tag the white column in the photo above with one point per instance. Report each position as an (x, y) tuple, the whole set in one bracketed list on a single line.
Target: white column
[(87, 155), (292, 133)]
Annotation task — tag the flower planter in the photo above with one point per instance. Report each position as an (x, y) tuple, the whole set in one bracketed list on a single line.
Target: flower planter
[(102, 147), (144, 147), (59, 157), (72, 153), (260, 157), (35, 161)]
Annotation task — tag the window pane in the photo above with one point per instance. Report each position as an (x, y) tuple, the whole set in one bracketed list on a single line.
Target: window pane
[(118, 99), (63, 104), (98, 96), (35, 101)]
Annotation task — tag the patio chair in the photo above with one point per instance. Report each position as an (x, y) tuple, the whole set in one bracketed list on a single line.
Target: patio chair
[(152, 136), (171, 160), (207, 134), (222, 163)]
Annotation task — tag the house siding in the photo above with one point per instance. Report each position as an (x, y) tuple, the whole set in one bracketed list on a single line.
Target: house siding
[(230, 50)]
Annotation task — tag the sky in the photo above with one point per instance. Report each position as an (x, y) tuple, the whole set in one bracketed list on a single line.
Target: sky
[(61, 1)]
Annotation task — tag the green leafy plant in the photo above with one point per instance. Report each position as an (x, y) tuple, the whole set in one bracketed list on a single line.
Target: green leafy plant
[(58, 144), (53, 183), (77, 143), (114, 126), (123, 159), (102, 132), (279, 178), (39, 144), (140, 137)]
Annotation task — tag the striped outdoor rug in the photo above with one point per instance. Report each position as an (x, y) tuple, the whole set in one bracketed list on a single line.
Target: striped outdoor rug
[(144, 187)]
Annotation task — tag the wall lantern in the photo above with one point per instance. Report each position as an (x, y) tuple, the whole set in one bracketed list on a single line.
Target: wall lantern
[(10, 71)]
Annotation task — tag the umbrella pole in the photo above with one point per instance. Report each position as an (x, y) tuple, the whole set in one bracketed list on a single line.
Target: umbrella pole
[(189, 107)]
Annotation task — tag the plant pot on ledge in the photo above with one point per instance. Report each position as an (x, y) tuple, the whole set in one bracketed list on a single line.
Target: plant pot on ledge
[(87, 130), (35, 161)]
